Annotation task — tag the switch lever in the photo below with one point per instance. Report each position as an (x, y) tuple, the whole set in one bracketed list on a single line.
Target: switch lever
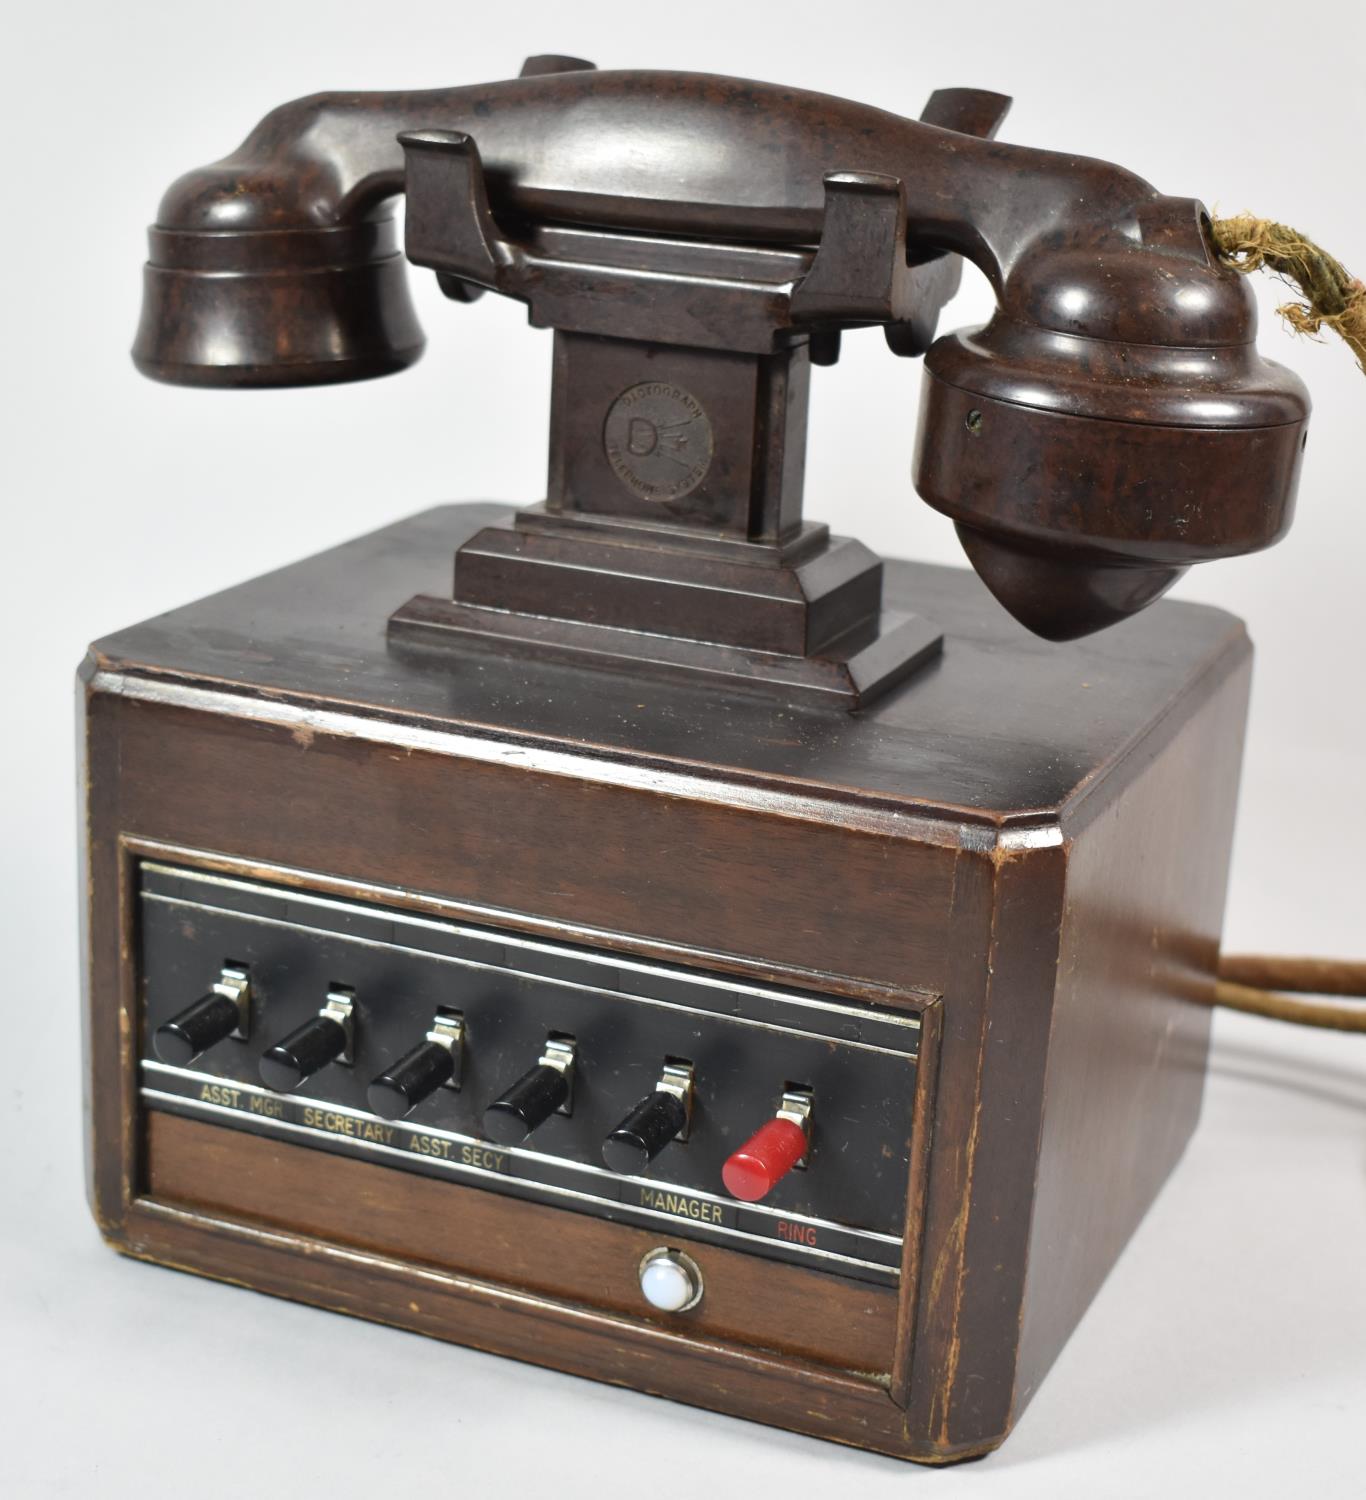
[(223, 1012), (328, 1037), (772, 1151), (546, 1090), (435, 1062), (659, 1118)]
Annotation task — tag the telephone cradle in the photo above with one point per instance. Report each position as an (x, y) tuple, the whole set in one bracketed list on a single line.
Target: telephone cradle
[(679, 947)]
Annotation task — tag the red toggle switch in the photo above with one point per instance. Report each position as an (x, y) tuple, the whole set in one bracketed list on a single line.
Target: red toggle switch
[(764, 1160)]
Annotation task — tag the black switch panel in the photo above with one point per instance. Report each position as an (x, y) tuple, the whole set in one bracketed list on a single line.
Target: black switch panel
[(746, 1043)]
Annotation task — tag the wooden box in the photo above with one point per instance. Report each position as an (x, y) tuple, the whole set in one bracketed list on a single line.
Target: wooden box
[(1026, 846)]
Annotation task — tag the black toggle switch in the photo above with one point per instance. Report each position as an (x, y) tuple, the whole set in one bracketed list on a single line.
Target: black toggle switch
[(644, 1133), (536, 1095), (225, 1010), (659, 1118), (433, 1062), (324, 1039)]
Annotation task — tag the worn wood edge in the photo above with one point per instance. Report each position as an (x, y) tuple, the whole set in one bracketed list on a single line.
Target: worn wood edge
[(945, 1340), (943, 824), (913, 1233), (1056, 880), (108, 981), (779, 796), (947, 1195), (85, 836)]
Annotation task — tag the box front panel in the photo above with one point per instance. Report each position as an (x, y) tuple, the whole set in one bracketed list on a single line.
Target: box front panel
[(650, 929), (742, 1046)]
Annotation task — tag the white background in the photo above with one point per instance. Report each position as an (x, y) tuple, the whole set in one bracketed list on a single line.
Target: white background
[(1227, 1353)]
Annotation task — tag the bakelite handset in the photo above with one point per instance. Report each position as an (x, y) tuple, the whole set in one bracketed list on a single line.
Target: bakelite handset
[(1110, 425)]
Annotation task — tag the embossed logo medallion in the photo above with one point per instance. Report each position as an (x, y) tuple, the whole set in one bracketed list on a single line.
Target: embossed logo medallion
[(658, 440)]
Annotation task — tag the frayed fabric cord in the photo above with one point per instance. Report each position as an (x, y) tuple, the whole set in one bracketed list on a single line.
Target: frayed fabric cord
[(1333, 297)]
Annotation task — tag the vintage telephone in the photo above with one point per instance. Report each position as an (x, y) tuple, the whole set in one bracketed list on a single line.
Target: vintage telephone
[(551, 962)]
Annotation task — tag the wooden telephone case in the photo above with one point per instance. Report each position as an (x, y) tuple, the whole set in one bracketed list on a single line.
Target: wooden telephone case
[(633, 793)]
